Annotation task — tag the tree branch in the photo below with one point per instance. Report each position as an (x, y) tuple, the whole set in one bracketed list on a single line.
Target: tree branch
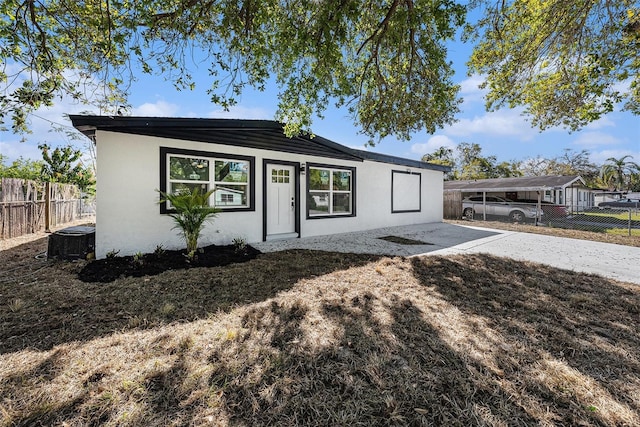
[(382, 25)]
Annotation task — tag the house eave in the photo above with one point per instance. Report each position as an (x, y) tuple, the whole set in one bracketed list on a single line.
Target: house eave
[(258, 134)]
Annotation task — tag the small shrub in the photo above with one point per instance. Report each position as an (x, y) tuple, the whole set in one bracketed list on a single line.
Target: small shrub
[(239, 245), (112, 254), (192, 210), (159, 250), (138, 258)]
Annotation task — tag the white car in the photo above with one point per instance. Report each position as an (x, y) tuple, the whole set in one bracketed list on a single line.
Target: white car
[(497, 206)]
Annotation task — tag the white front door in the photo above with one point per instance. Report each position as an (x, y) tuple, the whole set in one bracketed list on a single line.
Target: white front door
[(281, 201)]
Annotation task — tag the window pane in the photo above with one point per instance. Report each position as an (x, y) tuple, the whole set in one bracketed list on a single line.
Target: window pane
[(179, 188), (231, 195), (318, 179), (229, 171), (188, 168), (342, 180), (342, 203), (318, 202)]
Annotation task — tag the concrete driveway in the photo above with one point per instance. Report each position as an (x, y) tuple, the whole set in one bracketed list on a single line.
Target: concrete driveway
[(606, 259)]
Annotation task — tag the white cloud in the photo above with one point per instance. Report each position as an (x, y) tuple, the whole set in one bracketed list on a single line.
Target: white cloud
[(601, 157), (433, 144), (603, 122), (595, 139), (159, 108), (14, 149), (240, 112), (470, 90), (499, 123), (48, 125)]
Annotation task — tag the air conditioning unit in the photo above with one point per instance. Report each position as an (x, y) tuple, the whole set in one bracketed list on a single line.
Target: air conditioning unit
[(72, 243)]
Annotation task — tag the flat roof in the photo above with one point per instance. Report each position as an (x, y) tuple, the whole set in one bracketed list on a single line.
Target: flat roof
[(524, 183)]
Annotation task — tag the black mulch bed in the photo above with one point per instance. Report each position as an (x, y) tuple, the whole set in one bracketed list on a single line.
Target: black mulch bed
[(109, 269)]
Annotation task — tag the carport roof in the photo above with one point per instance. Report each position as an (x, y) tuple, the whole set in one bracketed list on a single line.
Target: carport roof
[(526, 183)]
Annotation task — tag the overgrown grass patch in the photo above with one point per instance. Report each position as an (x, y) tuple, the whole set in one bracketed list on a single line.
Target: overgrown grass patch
[(317, 338)]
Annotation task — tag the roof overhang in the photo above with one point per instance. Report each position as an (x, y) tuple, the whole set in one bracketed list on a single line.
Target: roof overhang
[(259, 134)]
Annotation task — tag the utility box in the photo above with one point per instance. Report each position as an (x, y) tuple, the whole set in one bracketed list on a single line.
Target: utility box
[(72, 243)]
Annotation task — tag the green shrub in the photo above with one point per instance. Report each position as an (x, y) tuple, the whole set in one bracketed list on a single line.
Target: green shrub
[(191, 211)]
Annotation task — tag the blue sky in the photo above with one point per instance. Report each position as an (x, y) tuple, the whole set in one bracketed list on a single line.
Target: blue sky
[(504, 134)]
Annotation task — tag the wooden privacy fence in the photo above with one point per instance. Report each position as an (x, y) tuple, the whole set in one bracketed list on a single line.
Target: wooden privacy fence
[(29, 206), (452, 208)]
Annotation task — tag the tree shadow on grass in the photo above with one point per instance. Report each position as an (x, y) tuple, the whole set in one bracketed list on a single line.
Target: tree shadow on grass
[(431, 341), (53, 307), (577, 332), (375, 373)]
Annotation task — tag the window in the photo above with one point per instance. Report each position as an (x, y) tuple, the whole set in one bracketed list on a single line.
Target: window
[(330, 191), (230, 177), (406, 191), (280, 176)]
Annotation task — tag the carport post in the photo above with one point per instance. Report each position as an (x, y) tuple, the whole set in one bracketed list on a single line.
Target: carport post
[(484, 205), (538, 207)]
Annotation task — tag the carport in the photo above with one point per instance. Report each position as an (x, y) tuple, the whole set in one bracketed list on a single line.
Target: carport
[(569, 191)]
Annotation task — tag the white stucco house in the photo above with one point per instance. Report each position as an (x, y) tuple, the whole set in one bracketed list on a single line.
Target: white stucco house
[(267, 186)]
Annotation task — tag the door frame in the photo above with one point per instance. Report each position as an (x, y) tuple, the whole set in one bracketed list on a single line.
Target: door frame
[(296, 175)]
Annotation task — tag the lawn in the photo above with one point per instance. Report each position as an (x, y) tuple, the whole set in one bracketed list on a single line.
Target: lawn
[(616, 214), (317, 338)]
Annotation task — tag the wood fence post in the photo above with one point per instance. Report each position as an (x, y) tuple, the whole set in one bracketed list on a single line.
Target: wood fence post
[(47, 207)]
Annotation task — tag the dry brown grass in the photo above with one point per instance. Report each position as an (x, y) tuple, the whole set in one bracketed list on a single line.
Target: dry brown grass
[(313, 338)]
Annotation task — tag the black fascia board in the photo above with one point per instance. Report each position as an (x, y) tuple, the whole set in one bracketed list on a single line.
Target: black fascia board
[(401, 161), (238, 132)]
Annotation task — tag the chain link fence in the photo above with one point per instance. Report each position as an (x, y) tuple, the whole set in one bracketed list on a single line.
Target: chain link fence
[(624, 221)]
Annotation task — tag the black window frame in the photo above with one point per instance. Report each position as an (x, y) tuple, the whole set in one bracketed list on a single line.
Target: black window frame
[(394, 211), (167, 151), (351, 169)]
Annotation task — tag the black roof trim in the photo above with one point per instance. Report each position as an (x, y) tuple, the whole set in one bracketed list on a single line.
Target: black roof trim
[(524, 183), (401, 161), (259, 134)]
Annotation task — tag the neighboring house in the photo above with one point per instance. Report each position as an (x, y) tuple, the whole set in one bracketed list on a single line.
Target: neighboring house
[(267, 186), (601, 196), (570, 191), (229, 197)]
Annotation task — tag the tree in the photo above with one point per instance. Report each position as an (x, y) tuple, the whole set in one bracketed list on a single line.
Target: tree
[(569, 163), (620, 174), (20, 168), (192, 210), (567, 62), (64, 165), (575, 163), (442, 156), (386, 61), (473, 165)]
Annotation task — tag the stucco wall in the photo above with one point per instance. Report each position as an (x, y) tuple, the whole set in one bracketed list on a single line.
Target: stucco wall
[(128, 215)]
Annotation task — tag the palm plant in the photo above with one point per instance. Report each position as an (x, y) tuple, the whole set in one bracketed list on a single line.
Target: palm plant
[(618, 173), (191, 211)]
